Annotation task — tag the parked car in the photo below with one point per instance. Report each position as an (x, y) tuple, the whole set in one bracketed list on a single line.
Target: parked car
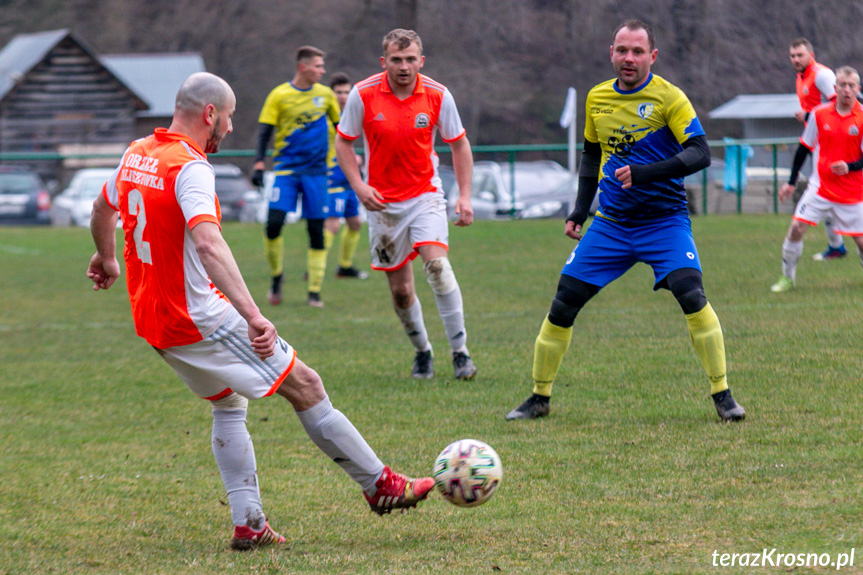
[(264, 206), (73, 206), (543, 189), (238, 199), (23, 196)]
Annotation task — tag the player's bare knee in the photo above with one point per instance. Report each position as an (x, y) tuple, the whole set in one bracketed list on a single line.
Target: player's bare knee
[(797, 230), (440, 276), (332, 225), (402, 299), (354, 223), (303, 387), (231, 401)]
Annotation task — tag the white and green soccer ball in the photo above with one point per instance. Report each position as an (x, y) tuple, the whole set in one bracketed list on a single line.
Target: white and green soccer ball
[(467, 472)]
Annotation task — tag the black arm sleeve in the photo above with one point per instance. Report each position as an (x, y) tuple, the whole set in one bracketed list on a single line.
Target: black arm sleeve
[(799, 158), (264, 135), (855, 166), (588, 180), (694, 157)]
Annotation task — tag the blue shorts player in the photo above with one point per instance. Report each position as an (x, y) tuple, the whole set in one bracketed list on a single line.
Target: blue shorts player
[(302, 114), (343, 200), (641, 138)]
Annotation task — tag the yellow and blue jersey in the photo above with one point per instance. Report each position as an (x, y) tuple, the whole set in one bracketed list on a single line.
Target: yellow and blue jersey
[(337, 180), (640, 126), (303, 120)]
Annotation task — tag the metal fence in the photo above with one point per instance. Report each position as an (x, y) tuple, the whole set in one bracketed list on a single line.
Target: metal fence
[(707, 193)]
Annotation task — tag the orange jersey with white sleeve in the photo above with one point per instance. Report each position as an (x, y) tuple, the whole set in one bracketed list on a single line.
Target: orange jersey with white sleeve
[(815, 86), (837, 138), (163, 187), (399, 134)]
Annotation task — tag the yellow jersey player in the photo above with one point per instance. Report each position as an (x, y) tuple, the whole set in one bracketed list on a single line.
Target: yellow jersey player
[(641, 138), (301, 112)]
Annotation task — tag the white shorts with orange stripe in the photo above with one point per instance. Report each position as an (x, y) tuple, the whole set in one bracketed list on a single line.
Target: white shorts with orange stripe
[(224, 362), (396, 232), (812, 208)]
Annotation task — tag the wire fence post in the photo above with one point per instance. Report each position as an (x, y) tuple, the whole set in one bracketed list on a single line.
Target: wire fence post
[(739, 178), (775, 181)]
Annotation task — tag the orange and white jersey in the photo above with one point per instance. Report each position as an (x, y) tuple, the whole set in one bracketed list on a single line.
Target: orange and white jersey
[(837, 138), (163, 187), (815, 86), (398, 135)]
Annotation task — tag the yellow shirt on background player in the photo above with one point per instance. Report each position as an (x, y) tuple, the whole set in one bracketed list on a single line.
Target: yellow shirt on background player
[(302, 129)]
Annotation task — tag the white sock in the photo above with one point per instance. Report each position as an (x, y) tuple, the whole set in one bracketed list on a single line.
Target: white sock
[(451, 311), (791, 252), (415, 328), (336, 436), (835, 240), (235, 456)]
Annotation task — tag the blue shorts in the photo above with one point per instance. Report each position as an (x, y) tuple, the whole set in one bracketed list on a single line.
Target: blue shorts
[(286, 189), (609, 249), (343, 203)]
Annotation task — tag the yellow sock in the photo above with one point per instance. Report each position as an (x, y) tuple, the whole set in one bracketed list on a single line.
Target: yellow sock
[(316, 264), (274, 251), (328, 239), (348, 247), (706, 335), (551, 344)]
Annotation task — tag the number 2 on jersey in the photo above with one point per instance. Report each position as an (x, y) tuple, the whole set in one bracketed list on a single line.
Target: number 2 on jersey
[(136, 207)]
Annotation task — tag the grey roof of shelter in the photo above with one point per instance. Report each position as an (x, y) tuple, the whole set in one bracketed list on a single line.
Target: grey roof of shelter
[(25, 51), (22, 54), (155, 77), (755, 106)]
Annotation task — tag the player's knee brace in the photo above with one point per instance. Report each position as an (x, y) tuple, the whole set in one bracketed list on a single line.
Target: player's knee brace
[(440, 276), (231, 401), (687, 287), (275, 221), (571, 296), (316, 234)]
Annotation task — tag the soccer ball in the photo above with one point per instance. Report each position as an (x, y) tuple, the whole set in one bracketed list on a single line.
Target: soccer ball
[(467, 472)]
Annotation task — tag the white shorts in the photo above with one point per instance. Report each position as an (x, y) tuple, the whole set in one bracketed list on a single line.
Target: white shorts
[(398, 230), (224, 362), (812, 208)]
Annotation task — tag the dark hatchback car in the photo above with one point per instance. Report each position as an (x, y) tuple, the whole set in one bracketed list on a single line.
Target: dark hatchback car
[(238, 199), (23, 197)]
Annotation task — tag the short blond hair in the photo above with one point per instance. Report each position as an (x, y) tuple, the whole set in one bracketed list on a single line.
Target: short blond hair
[(402, 39), (848, 71)]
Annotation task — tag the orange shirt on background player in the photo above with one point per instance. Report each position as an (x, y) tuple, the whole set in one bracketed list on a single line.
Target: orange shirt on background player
[(838, 138), (815, 86), (163, 187), (399, 134)]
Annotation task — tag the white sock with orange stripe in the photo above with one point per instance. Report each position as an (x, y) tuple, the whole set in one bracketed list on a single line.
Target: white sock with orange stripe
[(235, 456), (336, 436)]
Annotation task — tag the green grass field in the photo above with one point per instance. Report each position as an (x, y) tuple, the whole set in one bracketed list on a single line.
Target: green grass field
[(106, 466)]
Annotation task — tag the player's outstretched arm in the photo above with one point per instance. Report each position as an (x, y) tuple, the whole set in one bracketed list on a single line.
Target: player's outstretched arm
[(104, 268)]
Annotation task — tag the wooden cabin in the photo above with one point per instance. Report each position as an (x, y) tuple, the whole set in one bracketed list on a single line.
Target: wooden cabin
[(57, 95)]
